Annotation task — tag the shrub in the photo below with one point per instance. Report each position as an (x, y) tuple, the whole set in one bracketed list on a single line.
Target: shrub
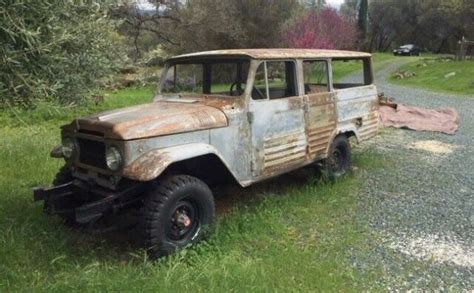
[(55, 50)]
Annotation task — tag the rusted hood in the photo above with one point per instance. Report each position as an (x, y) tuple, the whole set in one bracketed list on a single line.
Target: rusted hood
[(154, 119)]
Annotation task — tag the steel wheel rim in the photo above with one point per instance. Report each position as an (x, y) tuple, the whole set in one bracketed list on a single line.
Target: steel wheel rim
[(337, 160), (183, 221)]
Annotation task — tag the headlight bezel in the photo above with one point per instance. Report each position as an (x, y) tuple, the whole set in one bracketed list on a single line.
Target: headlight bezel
[(113, 158), (68, 148)]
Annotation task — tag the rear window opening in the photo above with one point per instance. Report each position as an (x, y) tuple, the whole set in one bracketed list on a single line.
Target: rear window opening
[(349, 73)]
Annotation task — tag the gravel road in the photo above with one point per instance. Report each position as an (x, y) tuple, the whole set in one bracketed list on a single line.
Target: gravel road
[(420, 205)]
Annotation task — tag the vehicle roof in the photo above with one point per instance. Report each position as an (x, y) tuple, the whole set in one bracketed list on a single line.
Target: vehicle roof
[(277, 53)]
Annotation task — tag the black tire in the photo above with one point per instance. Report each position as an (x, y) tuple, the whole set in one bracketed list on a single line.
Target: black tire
[(63, 176), (177, 212), (339, 158)]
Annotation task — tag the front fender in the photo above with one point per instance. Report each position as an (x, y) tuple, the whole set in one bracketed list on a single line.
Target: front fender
[(151, 164)]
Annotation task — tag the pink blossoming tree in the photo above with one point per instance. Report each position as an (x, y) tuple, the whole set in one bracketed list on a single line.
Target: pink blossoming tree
[(323, 29)]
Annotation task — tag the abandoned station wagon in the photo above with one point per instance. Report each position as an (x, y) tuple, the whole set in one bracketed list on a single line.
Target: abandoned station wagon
[(244, 115)]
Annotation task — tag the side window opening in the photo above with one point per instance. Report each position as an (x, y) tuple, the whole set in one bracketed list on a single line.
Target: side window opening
[(315, 77), (228, 78), (275, 80), (349, 73)]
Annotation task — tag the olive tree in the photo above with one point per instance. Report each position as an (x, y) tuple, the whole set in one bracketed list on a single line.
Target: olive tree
[(218, 24), (57, 50)]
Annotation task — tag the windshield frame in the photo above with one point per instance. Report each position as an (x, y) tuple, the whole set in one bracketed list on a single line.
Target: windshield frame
[(206, 61)]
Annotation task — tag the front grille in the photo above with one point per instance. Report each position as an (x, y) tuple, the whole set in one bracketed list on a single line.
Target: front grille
[(92, 153), (91, 132)]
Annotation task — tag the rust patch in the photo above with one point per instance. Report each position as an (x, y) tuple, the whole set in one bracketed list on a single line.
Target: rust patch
[(278, 53), (321, 123), (370, 125), (147, 167), (223, 104), (284, 150), (295, 103), (150, 120)]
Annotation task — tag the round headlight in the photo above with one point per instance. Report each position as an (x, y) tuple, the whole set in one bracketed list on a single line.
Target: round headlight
[(113, 158), (68, 147)]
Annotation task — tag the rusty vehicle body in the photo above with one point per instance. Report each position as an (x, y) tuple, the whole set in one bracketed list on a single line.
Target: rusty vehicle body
[(247, 135)]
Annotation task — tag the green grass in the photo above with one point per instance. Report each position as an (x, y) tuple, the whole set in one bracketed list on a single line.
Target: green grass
[(288, 234), (343, 69), (48, 114), (430, 75)]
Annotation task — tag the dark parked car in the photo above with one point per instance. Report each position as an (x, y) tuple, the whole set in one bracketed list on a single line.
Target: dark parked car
[(407, 50)]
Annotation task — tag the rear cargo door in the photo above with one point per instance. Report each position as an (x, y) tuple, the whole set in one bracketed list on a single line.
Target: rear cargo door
[(356, 96)]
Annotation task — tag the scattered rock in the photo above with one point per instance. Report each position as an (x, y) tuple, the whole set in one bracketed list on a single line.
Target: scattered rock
[(398, 76), (385, 99), (447, 59), (404, 74), (451, 74)]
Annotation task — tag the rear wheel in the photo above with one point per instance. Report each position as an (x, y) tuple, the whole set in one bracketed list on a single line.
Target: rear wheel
[(339, 157), (177, 212)]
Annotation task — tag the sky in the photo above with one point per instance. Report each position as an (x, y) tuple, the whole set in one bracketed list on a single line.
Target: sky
[(335, 3), (145, 5)]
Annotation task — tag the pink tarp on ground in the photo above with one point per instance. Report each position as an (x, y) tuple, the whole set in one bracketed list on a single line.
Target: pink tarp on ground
[(444, 120)]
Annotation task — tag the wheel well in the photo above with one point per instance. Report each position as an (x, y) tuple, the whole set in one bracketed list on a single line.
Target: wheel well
[(209, 168), (349, 134)]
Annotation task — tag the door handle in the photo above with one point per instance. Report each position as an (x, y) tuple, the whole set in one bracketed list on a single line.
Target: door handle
[(250, 117)]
